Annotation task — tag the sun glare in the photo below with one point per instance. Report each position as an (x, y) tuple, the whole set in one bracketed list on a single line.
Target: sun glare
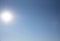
[(6, 16)]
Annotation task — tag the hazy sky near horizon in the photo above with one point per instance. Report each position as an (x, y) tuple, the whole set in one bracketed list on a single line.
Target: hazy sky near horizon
[(35, 20)]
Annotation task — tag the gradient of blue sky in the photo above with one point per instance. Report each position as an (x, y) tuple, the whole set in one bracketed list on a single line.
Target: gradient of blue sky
[(37, 20)]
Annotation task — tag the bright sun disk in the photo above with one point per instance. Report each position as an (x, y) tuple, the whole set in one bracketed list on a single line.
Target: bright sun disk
[(6, 16)]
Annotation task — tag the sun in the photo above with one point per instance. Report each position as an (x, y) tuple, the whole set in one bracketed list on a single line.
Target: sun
[(6, 16)]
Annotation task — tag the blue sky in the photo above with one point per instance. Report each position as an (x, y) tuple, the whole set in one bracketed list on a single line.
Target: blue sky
[(35, 20)]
